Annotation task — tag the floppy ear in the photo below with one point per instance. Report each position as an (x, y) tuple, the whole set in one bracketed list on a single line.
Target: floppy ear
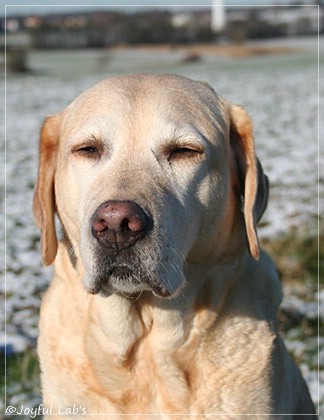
[(44, 198), (252, 182)]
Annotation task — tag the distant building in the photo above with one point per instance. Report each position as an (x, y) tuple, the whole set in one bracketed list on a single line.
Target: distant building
[(105, 28), (218, 20)]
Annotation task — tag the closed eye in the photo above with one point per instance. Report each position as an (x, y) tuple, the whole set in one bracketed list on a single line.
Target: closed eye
[(184, 153), (87, 151)]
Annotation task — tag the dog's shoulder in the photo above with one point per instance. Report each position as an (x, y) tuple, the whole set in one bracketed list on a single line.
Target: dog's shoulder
[(257, 293), (262, 279)]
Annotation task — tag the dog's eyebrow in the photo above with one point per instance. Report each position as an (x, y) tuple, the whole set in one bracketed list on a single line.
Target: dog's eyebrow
[(184, 130), (91, 127), (85, 138), (189, 134)]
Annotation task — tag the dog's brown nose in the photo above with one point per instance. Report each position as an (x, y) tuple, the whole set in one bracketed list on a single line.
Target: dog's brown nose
[(120, 224)]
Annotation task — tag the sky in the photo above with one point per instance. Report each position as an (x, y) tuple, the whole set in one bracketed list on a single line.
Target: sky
[(21, 7)]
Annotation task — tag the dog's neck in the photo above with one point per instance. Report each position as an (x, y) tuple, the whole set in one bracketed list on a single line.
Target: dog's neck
[(169, 323)]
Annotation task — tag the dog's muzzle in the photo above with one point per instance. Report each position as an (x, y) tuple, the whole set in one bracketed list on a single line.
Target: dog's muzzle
[(120, 229)]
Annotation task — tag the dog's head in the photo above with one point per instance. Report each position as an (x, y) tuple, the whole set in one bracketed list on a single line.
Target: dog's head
[(146, 173)]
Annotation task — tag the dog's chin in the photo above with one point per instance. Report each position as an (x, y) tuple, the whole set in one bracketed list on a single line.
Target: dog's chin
[(123, 281), (127, 290)]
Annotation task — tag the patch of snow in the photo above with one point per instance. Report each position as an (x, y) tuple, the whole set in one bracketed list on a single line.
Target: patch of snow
[(13, 343)]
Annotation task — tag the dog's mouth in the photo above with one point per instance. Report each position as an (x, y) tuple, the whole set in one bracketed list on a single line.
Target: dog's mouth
[(146, 266), (122, 279)]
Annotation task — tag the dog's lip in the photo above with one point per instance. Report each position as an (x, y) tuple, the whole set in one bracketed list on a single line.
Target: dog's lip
[(158, 289), (94, 290)]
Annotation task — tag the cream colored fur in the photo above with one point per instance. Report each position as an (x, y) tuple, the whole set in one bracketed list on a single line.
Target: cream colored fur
[(187, 157)]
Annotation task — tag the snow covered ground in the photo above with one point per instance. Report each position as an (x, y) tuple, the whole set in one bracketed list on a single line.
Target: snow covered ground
[(280, 93)]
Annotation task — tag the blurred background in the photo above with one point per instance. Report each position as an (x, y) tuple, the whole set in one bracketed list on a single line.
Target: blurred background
[(266, 56)]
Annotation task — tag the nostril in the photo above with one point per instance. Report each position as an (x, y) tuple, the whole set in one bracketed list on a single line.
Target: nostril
[(99, 225), (137, 223), (124, 225)]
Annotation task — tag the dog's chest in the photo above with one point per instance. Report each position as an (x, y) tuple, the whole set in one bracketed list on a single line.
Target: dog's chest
[(160, 370), (144, 369)]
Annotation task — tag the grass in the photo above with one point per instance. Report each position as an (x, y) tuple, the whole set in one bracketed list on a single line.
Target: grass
[(299, 255), (22, 379)]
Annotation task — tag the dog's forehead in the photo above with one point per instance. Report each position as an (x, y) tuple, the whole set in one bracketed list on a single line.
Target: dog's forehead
[(140, 97), (134, 86)]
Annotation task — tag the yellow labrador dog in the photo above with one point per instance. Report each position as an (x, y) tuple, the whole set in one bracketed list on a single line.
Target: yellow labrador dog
[(161, 303)]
